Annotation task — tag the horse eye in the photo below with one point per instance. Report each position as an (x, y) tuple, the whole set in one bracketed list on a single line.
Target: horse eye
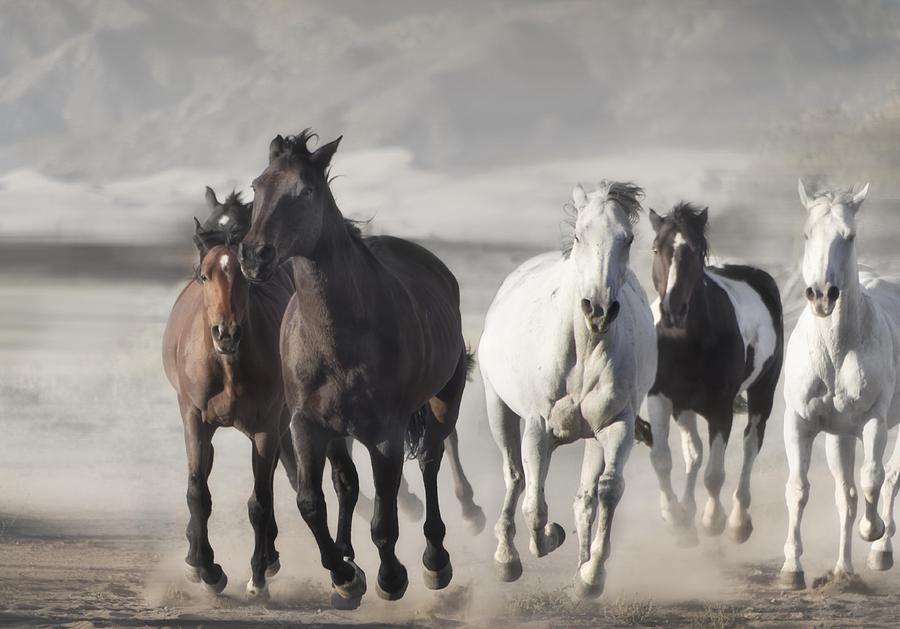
[(851, 237), (629, 240), (306, 192), (575, 237)]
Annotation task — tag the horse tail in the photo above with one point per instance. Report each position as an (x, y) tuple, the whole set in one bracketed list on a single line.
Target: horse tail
[(415, 432), (740, 406)]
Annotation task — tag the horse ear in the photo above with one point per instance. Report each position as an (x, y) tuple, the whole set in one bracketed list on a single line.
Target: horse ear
[(804, 198), (860, 196), (703, 216), (211, 199), (656, 221), (321, 157), (579, 196), (198, 239), (276, 148)]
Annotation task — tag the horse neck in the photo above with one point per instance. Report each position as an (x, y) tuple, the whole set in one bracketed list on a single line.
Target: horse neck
[(842, 331), (342, 269)]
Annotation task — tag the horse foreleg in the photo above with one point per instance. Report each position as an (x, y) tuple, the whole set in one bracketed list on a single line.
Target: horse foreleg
[(346, 486), (347, 579), (881, 555), (260, 508), (617, 440), (660, 413), (537, 448), (472, 513), (505, 427), (585, 506), (692, 452), (841, 451), (387, 468), (286, 454), (714, 518), (740, 525), (438, 571), (798, 440), (871, 475)]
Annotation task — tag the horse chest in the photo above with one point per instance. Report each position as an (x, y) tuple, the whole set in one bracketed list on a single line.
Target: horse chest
[(838, 392), (594, 398), (698, 379)]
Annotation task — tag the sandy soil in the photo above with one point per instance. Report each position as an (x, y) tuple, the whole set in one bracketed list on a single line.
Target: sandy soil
[(92, 488)]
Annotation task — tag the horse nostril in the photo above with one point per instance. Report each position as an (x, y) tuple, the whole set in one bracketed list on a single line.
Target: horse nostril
[(237, 333), (265, 252), (810, 293), (833, 293), (586, 307), (216, 331)]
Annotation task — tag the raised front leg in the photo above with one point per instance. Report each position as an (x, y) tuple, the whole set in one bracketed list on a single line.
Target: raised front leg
[(260, 508), (798, 440), (537, 448), (617, 440), (505, 427), (387, 467), (586, 498), (198, 445), (659, 409), (841, 451), (472, 513), (881, 555), (740, 525), (347, 579), (692, 451), (874, 438), (714, 513)]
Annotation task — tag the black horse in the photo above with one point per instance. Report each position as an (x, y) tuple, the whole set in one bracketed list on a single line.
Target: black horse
[(371, 347)]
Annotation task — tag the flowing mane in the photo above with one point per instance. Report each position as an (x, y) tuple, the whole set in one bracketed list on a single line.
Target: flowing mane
[(626, 194), (690, 221)]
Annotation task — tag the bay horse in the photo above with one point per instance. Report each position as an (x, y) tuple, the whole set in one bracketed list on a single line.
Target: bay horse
[(842, 377), (719, 333), (371, 347), (220, 353), (568, 347)]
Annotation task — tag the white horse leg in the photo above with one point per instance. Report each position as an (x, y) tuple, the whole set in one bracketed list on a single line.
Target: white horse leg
[(473, 515), (740, 524), (585, 506), (537, 448), (659, 409), (617, 441), (714, 513), (798, 440), (881, 556), (692, 450), (841, 451), (871, 476), (507, 434)]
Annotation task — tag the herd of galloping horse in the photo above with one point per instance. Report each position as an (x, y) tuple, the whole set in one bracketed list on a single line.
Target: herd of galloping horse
[(305, 335)]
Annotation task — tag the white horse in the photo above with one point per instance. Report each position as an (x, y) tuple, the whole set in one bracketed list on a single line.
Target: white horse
[(841, 377), (569, 346)]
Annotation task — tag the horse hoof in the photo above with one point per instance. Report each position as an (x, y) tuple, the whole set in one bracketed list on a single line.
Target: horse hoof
[(192, 573), (216, 588), (475, 521), (508, 572), (273, 569), (740, 534), (344, 604), (354, 588), (438, 579), (587, 591), (871, 532), (880, 560), (388, 595), (258, 594), (687, 538), (715, 525), (558, 534), (791, 581)]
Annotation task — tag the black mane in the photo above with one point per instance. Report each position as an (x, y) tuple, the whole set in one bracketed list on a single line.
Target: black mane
[(689, 220)]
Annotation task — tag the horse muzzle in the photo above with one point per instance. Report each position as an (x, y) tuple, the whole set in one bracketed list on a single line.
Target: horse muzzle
[(257, 261), (226, 339), (822, 303), (599, 319)]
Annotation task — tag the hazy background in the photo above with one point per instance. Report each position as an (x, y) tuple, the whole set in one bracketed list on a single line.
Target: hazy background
[(465, 126)]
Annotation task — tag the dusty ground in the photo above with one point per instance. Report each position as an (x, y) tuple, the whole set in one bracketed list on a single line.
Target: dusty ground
[(92, 487)]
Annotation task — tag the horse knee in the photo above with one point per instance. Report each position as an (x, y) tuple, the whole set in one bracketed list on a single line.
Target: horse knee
[(797, 490), (258, 514), (309, 503), (610, 489)]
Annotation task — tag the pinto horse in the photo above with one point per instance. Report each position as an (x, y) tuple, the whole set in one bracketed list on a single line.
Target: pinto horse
[(220, 353), (842, 377), (371, 347), (720, 333), (584, 378)]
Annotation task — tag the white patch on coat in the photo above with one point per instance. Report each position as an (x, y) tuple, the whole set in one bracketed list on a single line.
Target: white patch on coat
[(754, 321), (223, 220), (223, 262)]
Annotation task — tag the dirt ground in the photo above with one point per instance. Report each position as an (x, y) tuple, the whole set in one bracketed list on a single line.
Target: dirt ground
[(92, 486)]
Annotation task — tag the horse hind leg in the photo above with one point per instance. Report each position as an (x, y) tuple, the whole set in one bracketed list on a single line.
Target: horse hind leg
[(260, 508), (505, 427), (881, 555), (472, 513)]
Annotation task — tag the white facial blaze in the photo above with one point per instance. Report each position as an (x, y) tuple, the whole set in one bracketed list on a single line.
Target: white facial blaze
[(673, 268), (223, 220), (223, 262)]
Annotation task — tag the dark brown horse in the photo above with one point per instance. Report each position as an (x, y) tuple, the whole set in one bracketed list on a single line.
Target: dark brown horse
[(371, 347), (220, 352)]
